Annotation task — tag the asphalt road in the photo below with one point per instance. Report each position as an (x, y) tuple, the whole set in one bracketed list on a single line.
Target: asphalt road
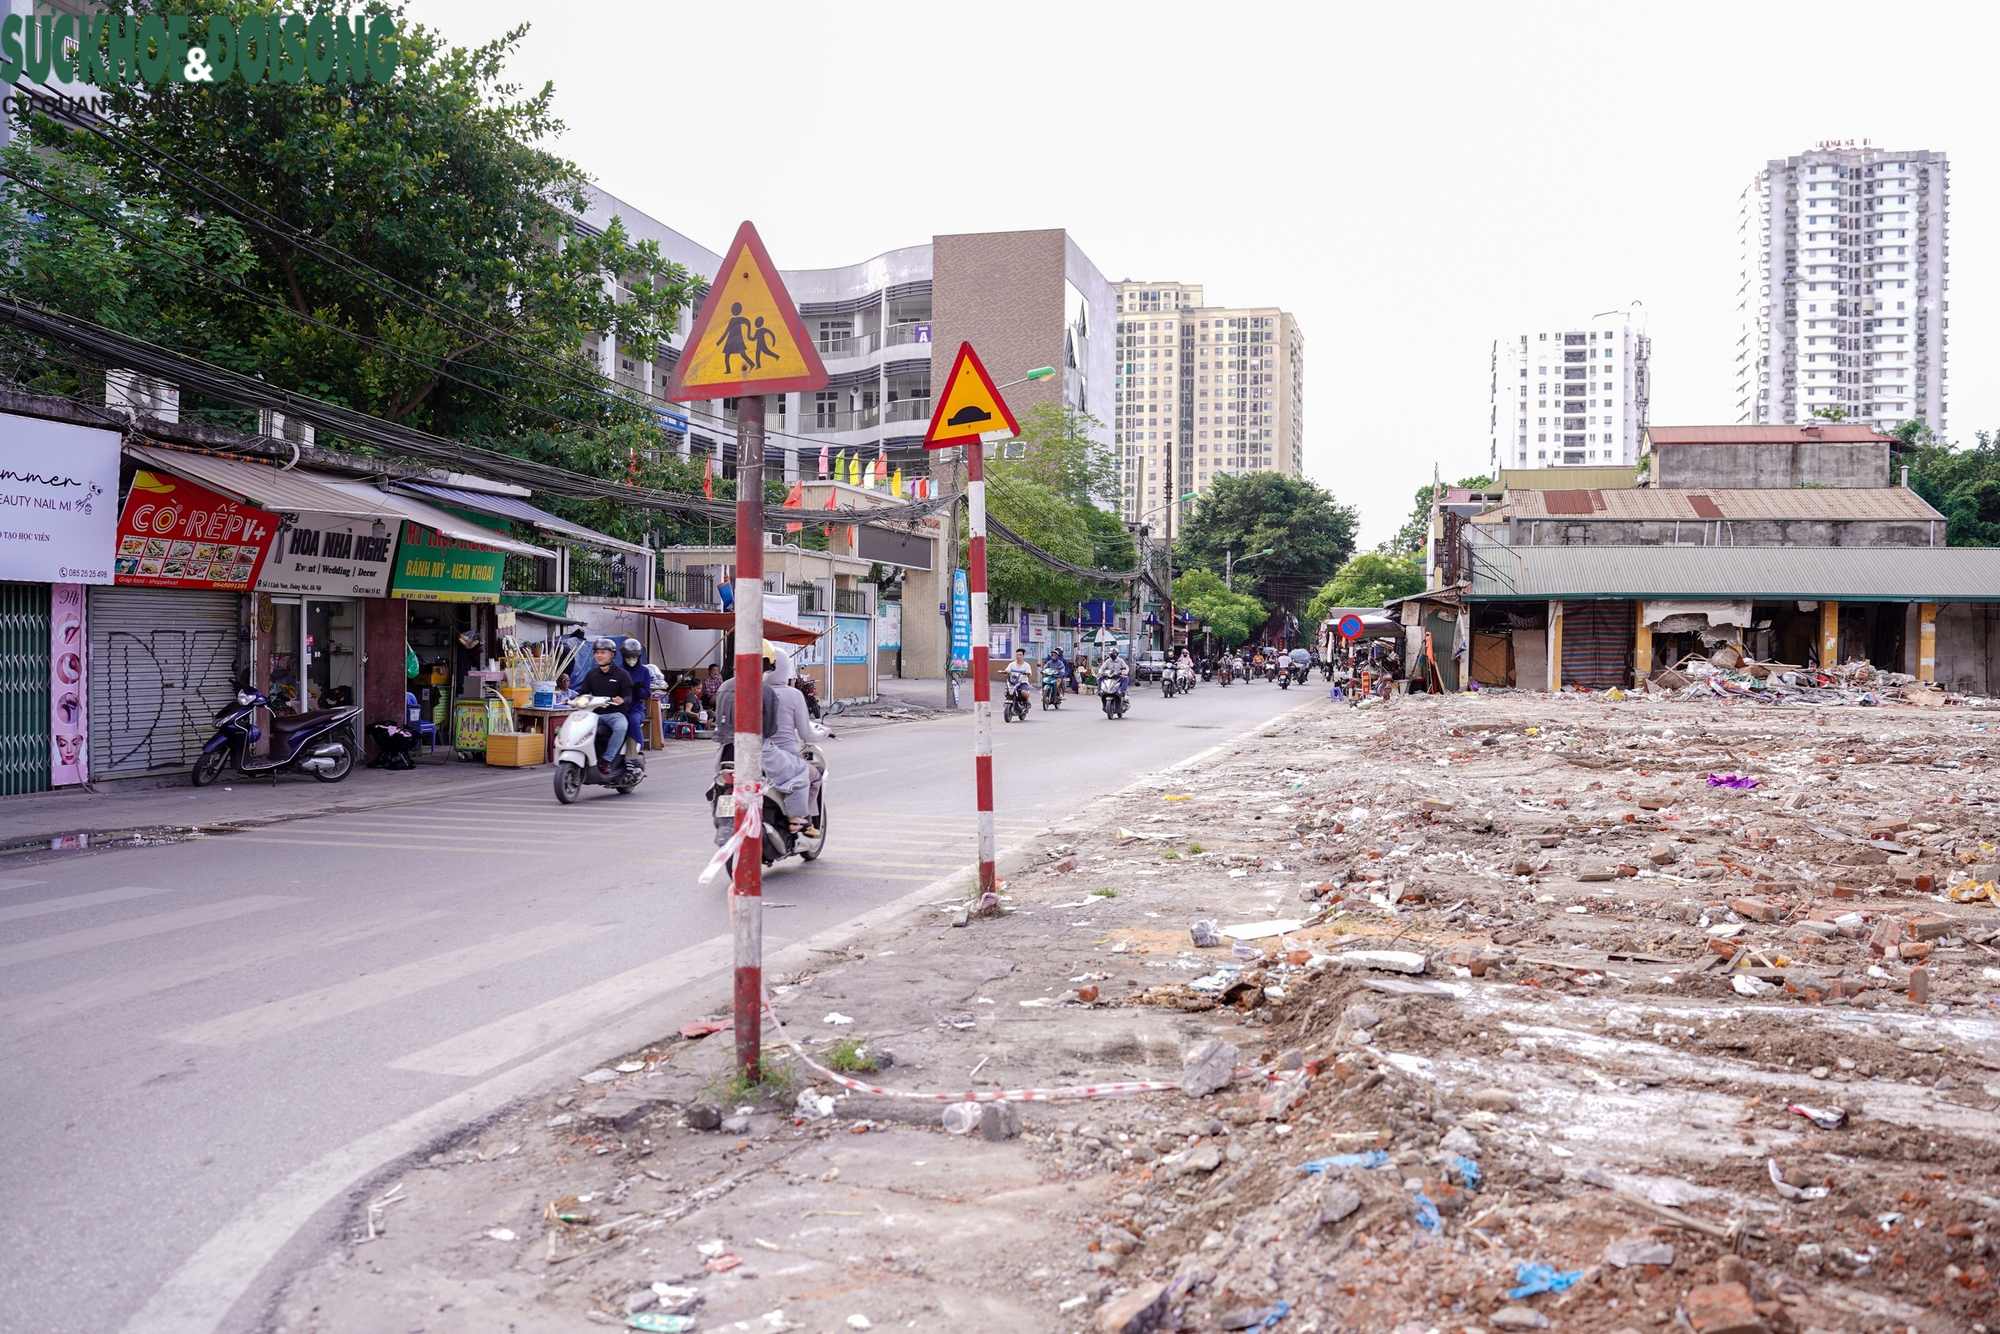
[(206, 1043)]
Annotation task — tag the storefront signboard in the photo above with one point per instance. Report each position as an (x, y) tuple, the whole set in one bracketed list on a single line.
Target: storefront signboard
[(174, 533), (431, 567), (58, 502), (330, 555), (850, 641), (69, 756)]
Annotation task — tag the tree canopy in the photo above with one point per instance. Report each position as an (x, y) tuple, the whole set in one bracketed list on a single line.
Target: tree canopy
[(1369, 580), (1230, 617), (1308, 533), (1962, 484), (1047, 492), (408, 249)]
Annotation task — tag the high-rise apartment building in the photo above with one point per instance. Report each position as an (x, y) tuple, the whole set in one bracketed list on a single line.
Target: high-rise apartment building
[(1202, 391), (1841, 296), (1571, 397)]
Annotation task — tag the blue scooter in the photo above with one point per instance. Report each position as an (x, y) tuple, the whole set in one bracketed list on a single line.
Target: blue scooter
[(320, 743)]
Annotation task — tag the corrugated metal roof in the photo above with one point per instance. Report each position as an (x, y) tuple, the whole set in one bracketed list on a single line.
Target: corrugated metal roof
[(393, 506), (267, 486), (1560, 479), (513, 507), (1834, 574), (1829, 433), (1805, 502)]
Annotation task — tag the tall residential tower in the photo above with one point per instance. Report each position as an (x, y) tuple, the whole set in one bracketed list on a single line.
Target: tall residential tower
[(1202, 391), (1575, 396), (1841, 295)]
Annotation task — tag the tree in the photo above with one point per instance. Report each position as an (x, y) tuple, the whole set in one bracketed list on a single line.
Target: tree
[(1309, 534), (1230, 617), (406, 249), (1369, 580), (1829, 413), (1047, 494), (1415, 533), (1961, 484)]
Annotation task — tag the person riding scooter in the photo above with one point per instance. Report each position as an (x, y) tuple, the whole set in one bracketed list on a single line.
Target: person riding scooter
[(1019, 673), (613, 683), (784, 772), (642, 690), (794, 724), (1114, 676)]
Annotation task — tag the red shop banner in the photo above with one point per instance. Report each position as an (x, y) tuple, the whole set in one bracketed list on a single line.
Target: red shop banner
[(176, 534)]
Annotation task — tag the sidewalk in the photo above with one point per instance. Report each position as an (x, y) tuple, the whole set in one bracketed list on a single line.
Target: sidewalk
[(1458, 1059), (235, 800)]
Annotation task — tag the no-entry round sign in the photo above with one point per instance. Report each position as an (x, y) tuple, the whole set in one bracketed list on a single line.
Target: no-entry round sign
[(1350, 627)]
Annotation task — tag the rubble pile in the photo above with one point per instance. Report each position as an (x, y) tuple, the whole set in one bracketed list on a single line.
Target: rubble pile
[(1489, 1012)]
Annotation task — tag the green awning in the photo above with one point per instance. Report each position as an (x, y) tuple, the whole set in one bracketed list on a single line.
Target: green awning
[(555, 606)]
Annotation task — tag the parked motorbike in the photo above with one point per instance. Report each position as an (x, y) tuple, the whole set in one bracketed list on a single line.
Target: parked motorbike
[(1111, 694), (321, 743), (780, 840), (810, 689), (1014, 709), (1051, 692), (579, 741)]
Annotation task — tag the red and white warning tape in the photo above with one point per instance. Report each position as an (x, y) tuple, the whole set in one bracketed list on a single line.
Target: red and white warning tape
[(749, 830)]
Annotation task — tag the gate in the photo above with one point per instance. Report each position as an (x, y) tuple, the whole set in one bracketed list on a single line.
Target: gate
[(162, 663), (25, 734)]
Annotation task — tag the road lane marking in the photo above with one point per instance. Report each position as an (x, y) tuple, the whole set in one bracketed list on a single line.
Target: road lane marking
[(40, 907), (77, 997), (48, 947), (371, 989), (6, 885)]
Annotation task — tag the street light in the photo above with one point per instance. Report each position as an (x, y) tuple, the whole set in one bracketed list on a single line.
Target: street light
[(1169, 507), (1229, 565)]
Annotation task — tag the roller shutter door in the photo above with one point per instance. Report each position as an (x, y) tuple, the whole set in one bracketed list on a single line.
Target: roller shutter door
[(162, 662)]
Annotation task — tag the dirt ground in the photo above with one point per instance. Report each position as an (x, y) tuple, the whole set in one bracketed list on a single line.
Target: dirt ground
[(1513, 984)]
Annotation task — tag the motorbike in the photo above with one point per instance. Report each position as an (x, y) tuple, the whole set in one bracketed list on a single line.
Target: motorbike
[(1014, 709), (1208, 669), (780, 839), (1051, 692), (1285, 679), (578, 741), (1111, 694), (1225, 674), (1301, 673), (1170, 683), (810, 689), (321, 743)]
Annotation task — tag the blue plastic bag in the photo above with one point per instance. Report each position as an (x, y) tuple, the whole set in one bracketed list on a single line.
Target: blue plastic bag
[(1468, 1171), (1534, 1277), (1427, 1213), (1372, 1158)]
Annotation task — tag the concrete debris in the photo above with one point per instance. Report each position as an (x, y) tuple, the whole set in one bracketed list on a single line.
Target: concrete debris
[(1209, 1068)]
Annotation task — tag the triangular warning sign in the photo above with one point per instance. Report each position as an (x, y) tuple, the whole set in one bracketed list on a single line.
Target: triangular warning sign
[(970, 407), (748, 338)]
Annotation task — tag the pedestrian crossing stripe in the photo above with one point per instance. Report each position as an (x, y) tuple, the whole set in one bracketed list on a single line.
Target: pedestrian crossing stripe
[(748, 338)]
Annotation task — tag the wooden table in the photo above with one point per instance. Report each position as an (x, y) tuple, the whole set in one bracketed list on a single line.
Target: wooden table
[(550, 719)]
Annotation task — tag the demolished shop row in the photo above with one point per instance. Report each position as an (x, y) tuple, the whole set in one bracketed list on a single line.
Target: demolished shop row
[(1599, 617), (139, 584)]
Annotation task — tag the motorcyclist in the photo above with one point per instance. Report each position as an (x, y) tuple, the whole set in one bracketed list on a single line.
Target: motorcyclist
[(614, 684), (784, 772), (1019, 673), (1057, 666), (1301, 664), (1113, 673), (795, 723), (642, 690), (1185, 665)]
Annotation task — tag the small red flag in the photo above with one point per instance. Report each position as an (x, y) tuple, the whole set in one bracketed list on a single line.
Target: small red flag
[(795, 499), (708, 478)]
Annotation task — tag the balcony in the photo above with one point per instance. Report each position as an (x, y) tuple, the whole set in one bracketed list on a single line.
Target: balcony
[(846, 349), (909, 410), (914, 333), (851, 419)]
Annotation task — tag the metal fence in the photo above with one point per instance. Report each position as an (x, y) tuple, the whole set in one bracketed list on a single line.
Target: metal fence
[(688, 588), (595, 575)]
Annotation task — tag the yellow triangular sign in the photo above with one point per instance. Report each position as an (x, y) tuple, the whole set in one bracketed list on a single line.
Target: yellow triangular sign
[(748, 338), (970, 406)]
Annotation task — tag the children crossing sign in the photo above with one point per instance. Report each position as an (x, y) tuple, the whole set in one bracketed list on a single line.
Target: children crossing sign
[(748, 338)]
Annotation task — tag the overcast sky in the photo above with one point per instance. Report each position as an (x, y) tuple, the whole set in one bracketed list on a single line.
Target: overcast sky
[(1411, 181)]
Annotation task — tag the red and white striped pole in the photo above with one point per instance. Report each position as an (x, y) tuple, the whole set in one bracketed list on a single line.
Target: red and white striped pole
[(747, 889), (982, 684)]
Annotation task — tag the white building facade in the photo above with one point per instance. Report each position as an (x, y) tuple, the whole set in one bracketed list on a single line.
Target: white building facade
[(1571, 397), (1843, 293), (1203, 391)]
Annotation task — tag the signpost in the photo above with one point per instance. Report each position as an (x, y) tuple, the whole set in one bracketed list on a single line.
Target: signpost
[(747, 342), (1350, 626), (970, 412)]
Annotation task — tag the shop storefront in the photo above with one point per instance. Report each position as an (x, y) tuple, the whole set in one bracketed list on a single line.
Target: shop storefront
[(58, 525)]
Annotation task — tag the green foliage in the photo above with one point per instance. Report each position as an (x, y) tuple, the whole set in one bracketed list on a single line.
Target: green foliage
[(1415, 533), (1230, 617), (470, 301), (1048, 495), (1830, 413), (1368, 580), (850, 1055), (1962, 484), (1309, 533)]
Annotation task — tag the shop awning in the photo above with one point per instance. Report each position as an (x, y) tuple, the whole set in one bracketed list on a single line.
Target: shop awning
[(392, 506), (702, 619), (513, 507), (297, 491), (280, 490)]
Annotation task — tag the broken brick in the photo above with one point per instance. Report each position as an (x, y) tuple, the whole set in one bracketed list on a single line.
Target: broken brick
[(1723, 1308), (1888, 931), (1662, 854), (1912, 951), (1927, 927), (1909, 877), (1757, 909), (1726, 948)]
